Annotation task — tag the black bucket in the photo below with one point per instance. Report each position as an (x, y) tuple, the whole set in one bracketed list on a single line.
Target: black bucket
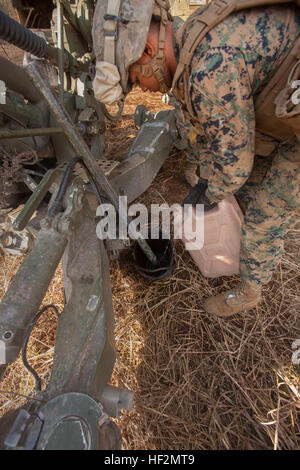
[(165, 252)]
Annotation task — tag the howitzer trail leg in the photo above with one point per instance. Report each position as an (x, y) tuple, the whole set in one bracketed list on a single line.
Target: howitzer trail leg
[(27, 291)]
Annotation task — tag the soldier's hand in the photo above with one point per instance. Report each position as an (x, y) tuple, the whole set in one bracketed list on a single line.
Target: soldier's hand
[(197, 196)]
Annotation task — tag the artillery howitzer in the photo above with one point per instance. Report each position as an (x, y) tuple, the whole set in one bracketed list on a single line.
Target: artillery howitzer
[(49, 122)]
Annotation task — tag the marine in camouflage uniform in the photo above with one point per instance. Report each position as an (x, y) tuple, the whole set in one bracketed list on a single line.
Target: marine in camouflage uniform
[(230, 67)]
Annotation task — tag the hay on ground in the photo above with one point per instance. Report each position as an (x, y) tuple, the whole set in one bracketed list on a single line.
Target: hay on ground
[(200, 382)]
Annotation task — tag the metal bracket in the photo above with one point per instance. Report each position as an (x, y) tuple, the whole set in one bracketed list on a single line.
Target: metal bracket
[(74, 203), (36, 198)]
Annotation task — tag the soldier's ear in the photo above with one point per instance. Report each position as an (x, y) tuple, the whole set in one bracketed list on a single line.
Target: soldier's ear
[(149, 51)]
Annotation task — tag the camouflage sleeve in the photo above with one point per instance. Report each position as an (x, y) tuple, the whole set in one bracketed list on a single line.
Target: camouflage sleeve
[(194, 145), (222, 98)]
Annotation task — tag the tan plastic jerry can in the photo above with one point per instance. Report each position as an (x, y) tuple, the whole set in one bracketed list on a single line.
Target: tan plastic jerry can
[(219, 252)]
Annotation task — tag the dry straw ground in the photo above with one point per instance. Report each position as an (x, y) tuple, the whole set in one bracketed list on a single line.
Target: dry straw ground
[(199, 382)]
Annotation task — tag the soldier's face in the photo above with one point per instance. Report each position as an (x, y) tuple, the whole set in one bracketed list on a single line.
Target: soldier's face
[(146, 83), (149, 83)]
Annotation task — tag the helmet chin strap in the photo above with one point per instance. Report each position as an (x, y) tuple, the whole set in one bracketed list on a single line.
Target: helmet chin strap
[(156, 65)]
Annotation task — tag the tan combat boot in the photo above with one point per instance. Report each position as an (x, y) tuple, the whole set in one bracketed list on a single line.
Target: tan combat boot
[(190, 173), (240, 298)]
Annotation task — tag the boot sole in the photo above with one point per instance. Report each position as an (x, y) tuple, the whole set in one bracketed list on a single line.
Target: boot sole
[(225, 315)]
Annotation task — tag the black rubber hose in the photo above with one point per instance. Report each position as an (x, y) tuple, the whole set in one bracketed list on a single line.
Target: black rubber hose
[(63, 186), (14, 33), (38, 383), (53, 210)]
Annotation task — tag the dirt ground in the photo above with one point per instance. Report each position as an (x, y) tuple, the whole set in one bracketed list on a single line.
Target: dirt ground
[(200, 382)]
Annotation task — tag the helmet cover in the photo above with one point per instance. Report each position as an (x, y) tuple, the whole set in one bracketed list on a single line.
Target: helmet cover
[(120, 31)]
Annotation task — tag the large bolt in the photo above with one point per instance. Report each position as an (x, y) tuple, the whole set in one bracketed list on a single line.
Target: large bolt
[(7, 335)]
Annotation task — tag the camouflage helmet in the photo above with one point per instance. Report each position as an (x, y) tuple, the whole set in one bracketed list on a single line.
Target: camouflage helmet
[(120, 31)]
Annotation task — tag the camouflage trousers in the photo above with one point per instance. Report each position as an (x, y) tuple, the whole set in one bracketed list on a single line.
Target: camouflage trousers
[(270, 200)]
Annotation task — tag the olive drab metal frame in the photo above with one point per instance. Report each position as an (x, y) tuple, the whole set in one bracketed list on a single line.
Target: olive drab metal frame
[(73, 411)]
